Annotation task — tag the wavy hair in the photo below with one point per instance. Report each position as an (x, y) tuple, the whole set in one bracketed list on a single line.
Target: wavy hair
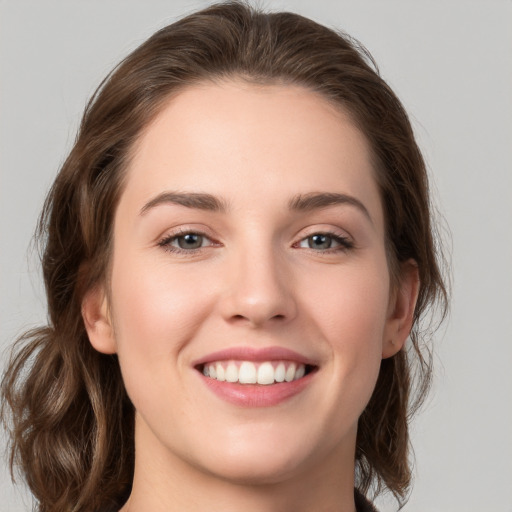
[(70, 420)]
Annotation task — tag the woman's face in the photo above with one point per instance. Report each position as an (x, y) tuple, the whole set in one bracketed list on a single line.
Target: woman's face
[(250, 301)]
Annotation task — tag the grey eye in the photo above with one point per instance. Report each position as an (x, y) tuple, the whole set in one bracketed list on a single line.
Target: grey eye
[(325, 242), (190, 241), (320, 241)]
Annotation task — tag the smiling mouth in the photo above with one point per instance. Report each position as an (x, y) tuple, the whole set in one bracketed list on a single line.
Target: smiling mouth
[(264, 373)]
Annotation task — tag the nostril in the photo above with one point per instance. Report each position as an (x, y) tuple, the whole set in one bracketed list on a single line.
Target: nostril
[(253, 319)]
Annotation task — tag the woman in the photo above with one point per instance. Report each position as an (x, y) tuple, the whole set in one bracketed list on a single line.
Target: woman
[(237, 249)]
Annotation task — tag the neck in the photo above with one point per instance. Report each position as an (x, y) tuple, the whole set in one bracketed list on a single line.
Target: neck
[(164, 482)]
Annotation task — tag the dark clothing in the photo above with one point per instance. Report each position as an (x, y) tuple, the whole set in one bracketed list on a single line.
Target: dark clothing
[(362, 504)]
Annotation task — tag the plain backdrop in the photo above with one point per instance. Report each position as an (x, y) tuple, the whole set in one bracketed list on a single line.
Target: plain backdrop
[(451, 64)]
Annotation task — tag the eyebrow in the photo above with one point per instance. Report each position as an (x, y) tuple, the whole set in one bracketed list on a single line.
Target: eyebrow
[(195, 200), (319, 200), (208, 202)]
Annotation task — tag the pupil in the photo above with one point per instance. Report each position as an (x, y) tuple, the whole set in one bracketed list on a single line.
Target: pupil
[(190, 241), (320, 242)]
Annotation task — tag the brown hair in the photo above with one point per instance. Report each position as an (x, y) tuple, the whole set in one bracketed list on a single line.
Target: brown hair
[(70, 419)]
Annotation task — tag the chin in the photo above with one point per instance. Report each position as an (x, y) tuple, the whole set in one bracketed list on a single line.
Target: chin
[(261, 461), (257, 472)]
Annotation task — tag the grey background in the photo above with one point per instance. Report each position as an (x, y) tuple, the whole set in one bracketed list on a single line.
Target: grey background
[(451, 64)]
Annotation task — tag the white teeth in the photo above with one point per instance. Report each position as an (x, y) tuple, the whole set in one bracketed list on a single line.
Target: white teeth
[(301, 370), (266, 374), (221, 374), (232, 373), (290, 373), (280, 372), (248, 372)]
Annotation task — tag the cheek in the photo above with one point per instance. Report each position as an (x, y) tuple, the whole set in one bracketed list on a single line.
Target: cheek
[(156, 310), (349, 310), (350, 303)]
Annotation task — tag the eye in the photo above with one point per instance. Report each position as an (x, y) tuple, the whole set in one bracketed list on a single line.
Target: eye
[(185, 242), (325, 241), (189, 241)]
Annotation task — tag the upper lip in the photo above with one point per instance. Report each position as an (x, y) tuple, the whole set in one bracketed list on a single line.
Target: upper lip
[(247, 353)]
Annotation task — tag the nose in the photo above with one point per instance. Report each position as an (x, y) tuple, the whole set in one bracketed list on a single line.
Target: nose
[(259, 289)]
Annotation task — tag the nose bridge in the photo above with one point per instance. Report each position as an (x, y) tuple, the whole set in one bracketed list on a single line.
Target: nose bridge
[(258, 288)]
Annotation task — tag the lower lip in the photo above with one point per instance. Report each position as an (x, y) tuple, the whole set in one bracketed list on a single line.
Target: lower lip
[(257, 395)]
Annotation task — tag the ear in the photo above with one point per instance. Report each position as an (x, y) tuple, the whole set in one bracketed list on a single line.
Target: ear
[(97, 320), (401, 309)]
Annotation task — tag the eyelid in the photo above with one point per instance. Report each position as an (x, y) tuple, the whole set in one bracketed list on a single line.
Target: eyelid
[(324, 229), (185, 229)]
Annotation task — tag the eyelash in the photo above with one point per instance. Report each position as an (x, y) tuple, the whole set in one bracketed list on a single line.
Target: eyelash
[(344, 243), (166, 242)]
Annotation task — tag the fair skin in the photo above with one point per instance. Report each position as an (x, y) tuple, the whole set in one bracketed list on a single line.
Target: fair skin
[(254, 265)]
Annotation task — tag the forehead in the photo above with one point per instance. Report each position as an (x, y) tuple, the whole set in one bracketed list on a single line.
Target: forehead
[(246, 140)]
